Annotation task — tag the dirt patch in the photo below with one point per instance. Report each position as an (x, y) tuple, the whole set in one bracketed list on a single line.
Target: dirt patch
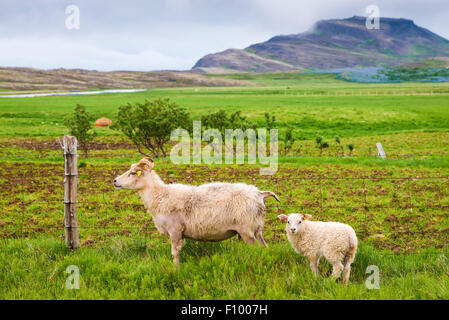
[(53, 144)]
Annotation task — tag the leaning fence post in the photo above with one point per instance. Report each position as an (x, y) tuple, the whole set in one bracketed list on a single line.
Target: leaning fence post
[(69, 146)]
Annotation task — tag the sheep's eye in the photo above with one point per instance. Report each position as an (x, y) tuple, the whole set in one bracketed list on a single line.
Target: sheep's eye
[(288, 222), (133, 173)]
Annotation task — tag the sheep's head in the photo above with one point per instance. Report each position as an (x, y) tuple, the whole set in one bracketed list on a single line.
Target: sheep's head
[(134, 178), (295, 221)]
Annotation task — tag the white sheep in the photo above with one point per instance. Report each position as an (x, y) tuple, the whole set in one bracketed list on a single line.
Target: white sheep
[(335, 241), (209, 212)]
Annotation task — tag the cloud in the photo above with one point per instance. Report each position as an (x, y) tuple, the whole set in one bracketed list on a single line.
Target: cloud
[(172, 34), (55, 53)]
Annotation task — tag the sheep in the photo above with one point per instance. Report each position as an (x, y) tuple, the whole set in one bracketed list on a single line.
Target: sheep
[(209, 212), (335, 241)]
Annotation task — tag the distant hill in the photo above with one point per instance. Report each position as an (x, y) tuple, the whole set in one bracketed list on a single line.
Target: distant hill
[(76, 79), (337, 43)]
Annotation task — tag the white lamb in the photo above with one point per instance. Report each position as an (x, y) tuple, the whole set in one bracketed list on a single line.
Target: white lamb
[(209, 212), (335, 241)]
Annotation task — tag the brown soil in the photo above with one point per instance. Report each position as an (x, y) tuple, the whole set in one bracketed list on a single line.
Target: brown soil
[(53, 144)]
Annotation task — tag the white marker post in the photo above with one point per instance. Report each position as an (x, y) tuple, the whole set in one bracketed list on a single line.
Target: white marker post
[(381, 151)]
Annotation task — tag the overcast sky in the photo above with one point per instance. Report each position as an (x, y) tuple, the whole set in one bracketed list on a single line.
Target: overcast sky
[(172, 34)]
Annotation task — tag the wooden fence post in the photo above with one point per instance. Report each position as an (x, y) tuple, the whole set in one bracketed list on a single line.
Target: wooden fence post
[(69, 146)]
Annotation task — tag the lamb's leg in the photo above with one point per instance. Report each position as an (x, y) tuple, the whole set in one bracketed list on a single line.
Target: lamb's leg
[(337, 268), (346, 272), (347, 265)]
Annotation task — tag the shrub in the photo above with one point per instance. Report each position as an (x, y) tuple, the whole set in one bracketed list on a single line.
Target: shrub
[(270, 121), (221, 121), (323, 145), (339, 146), (289, 140), (80, 125), (149, 125), (351, 148)]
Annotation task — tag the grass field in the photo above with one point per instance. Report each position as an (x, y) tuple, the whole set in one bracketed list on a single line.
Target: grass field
[(398, 207), (314, 107)]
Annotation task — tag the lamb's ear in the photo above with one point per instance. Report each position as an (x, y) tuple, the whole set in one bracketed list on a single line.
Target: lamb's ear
[(307, 216), (146, 164), (283, 217)]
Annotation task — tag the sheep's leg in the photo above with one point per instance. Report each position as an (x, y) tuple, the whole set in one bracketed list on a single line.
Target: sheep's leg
[(248, 238), (176, 243), (247, 235), (314, 261), (260, 238)]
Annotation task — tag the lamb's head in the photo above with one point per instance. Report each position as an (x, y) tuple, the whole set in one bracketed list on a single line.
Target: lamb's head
[(136, 177), (295, 221)]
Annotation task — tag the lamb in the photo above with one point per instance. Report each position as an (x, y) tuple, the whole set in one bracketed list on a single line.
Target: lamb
[(209, 212), (335, 241)]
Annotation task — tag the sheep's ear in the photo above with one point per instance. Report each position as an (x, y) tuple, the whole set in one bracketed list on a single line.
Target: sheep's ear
[(146, 164), (307, 216), (283, 217)]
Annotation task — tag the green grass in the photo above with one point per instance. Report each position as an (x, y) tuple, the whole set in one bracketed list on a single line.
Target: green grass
[(311, 106), (139, 268), (397, 206)]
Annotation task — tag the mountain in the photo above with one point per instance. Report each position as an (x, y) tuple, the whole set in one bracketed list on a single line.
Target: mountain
[(336, 43), (239, 60)]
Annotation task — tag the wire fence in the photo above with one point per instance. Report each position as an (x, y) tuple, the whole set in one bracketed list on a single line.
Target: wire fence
[(362, 198), (136, 155)]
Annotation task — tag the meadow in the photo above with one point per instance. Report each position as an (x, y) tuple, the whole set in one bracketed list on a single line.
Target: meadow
[(397, 206)]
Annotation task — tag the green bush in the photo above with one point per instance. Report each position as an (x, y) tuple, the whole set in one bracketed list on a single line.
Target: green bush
[(351, 148), (149, 125), (270, 121), (221, 121), (80, 125), (289, 140)]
